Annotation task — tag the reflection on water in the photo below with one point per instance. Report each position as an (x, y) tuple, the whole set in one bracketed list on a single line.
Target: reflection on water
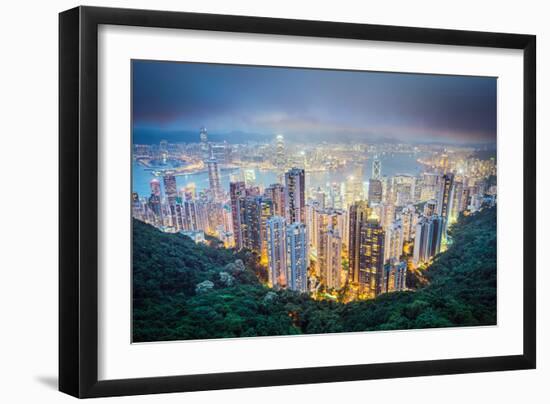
[(392, 164)]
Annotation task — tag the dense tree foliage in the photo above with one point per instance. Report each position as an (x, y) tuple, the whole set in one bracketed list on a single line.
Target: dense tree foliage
[(182, 290)]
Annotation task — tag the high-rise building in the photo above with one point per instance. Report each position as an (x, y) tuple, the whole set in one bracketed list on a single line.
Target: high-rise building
[(445, 196), (297, 258), (280, 151), (137, 210), (371, 257), (155, 187), (277, 251), (266, 211), (408, 219), (430, 186), (430, 208), (221, 152), (249, 175), (394, 242), (295, 196), (428, 237), (255, 210), (395, 277), (236, 193), (214, 179), (154, 204), (336, 200), (170, 188), (457, 208), (251, 223), (320, 197), (359, 213), (376, 169), (353, 189), (375, 191), (276, 192), (205, 149), (332, 259)]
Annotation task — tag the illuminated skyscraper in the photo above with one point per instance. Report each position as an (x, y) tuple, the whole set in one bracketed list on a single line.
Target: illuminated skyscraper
[(170, 188), (205, 149), (249, 177), (456, 208), (236, 193), (359, 213), (137, 210), (255, 210), (297, 258), (280, 151), (430, 186), (251, 221), (371, 257), (214, 179), (375, 191), (427, 242), (376, 169), (295, 196), (445, 196), (332, 259), (408, 219), (276, 251), (336, 200), (395, 276), (430, 208), (155, 187), (266, 211), (276, 192), (394, 242)]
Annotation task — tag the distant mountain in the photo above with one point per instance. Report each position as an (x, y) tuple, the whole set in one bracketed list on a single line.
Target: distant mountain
[(154, 136)]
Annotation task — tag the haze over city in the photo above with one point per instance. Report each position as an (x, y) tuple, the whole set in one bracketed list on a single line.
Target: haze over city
[(245, 103)]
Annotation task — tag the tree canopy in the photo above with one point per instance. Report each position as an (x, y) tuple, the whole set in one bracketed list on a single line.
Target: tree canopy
[(183, 290)]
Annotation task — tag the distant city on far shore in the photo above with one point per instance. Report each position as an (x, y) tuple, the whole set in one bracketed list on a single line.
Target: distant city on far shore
[(348, 201)]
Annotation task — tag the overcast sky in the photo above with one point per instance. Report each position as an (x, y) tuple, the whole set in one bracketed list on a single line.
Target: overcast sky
[(309, 104)]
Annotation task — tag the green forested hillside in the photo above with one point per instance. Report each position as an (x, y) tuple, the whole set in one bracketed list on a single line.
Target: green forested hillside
[(186, 291)]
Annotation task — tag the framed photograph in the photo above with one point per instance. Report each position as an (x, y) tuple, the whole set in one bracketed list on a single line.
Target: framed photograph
[(251, 201)]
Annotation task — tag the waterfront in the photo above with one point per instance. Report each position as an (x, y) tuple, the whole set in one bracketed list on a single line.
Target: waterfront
[(392, 164)]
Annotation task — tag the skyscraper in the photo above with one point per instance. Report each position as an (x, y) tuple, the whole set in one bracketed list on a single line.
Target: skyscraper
[(155, 187), (297, 258), (205, 149), (236, 193), (276, 192), (332, 268), (276, 251), (376, 169), (359, 212), (295, 196), (170, 188), (427, 241), (445, 196), (408, 219), (280, 151), (395, 276), (371, 257), (375, 191), (214, 178), (394, 242), (430, 208)]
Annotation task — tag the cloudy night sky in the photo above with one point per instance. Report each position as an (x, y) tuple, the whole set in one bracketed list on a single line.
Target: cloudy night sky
[(309, 105)]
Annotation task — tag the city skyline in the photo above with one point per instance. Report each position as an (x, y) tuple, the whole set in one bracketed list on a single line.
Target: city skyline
[(347, 222), (246, 102)]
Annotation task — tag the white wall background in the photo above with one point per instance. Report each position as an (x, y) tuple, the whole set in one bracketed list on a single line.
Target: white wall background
[(28, 200)]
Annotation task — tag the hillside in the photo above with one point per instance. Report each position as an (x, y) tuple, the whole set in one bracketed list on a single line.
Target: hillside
[(186, 291)]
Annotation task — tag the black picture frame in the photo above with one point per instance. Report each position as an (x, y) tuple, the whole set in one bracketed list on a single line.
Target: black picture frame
[(78, 196)]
